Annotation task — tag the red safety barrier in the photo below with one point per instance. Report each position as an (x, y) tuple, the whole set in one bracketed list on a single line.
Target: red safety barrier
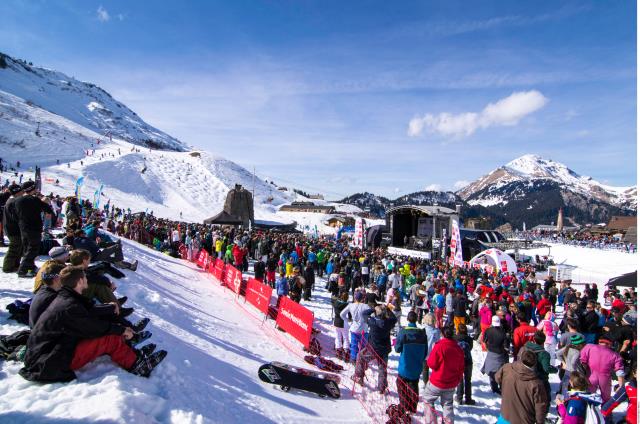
[(259, 295), (182, 250), (202, 258), (233, 278), (218, 270), (295, 319), (384, 396)]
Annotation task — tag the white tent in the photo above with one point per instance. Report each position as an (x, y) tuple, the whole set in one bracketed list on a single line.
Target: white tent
[(497, 259)]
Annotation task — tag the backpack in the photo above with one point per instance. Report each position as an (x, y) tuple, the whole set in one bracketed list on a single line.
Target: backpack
[(594, 414), (19, 311), (467, 351)]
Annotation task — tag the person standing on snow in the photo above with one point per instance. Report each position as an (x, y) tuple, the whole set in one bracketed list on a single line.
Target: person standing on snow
[(412, 346), (29, 209), (602, 361), (446, 362), (358, 327)]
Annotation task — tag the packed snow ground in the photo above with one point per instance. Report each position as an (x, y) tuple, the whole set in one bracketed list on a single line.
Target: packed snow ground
[(209, 375), (593, 265)]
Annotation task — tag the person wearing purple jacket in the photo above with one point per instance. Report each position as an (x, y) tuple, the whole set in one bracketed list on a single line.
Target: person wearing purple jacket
[(602, 362)]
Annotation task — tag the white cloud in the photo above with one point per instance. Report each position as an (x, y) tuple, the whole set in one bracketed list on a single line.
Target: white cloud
[(433, 187), (103, 15), (505, 112), (460, 184), (396, 190)]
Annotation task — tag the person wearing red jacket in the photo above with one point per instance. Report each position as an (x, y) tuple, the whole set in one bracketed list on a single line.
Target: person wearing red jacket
[(543, 306), (446, 362), (238, 256), (523, 334)]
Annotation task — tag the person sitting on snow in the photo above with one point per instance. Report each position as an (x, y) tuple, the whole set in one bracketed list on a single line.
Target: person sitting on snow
[(111, 254), (67, 337)]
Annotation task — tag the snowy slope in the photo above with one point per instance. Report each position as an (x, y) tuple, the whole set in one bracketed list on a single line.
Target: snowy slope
[(529, 168), (80, 102), (209, 376), (192, 183), (173, 182)]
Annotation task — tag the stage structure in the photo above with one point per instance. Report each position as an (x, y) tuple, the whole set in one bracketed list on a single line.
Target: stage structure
[(416, 227)]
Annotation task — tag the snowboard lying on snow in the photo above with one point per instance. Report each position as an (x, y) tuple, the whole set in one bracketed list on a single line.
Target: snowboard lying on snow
[(289, 376)]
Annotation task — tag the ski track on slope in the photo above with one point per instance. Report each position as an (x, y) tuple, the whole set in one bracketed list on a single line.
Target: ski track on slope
[(210, 374)]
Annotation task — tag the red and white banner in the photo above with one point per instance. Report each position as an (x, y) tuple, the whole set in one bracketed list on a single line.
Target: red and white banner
[(456, 245), (295, 319), (218, 270), (232, 278), (259, 295), (358, 237), (202, 258)]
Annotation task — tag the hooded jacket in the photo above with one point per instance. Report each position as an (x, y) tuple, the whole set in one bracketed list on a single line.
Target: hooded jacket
[(54, 338), (412, 344), (446, 361), (380, 327), (359, 313), (524, 397), (543, 365)]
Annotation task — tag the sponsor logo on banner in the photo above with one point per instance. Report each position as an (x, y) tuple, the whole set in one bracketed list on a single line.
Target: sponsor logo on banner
[(456, 245), (218, 269), (259, 295), (202, 257), (503, 266), (233, 278), (358, 237), (295, 319)]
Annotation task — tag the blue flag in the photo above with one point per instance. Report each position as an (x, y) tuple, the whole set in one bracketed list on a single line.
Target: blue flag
[(96, 196), (79, 183)]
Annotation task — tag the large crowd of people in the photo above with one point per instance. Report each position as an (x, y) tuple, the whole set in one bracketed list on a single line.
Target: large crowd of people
[(427, 311)]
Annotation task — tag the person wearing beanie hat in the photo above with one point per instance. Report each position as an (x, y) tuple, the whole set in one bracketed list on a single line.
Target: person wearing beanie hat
[(10, 225), (51, 284), (495, 321), (29, 209), (58, 255), (602, 362), (569, 357)]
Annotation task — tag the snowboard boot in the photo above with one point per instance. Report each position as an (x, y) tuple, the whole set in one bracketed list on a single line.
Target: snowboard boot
[(133, 266), (147, 350), (125, 312), (140, 325), (139, 337), (145, 364), (29, 274), (122, 300)]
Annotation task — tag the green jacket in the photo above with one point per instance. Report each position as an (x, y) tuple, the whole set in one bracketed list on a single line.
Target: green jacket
[(543, 365)]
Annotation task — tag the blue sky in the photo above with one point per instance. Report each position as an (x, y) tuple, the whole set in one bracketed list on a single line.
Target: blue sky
[(346, 96)]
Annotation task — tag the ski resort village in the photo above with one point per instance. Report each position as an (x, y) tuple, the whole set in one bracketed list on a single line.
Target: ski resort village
[(318, 212)]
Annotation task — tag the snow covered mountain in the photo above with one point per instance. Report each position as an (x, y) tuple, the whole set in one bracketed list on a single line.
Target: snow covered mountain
[(169, 182), (525, 170), (528, 189), (80, 102)]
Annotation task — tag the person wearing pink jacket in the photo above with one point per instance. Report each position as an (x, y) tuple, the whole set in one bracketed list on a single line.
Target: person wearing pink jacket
[(485, 314), (602, 361)]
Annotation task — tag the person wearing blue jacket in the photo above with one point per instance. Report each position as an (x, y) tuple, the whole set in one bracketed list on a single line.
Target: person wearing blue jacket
[(411, 343)]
